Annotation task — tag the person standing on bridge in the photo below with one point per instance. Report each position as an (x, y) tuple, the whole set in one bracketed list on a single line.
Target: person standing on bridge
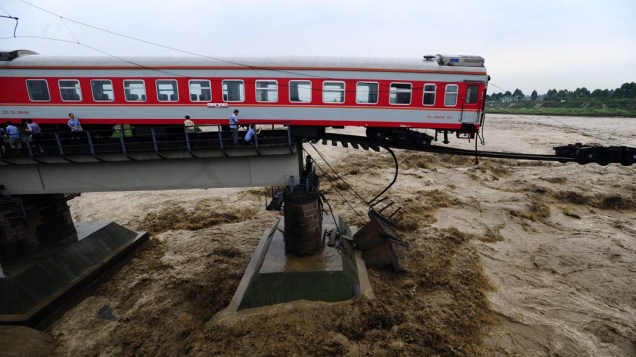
[(74, 123), (13, 134), (35, 132), (234, 125)]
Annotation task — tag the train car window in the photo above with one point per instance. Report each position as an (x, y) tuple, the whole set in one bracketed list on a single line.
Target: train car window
[(200, 90), (167, 90), (471, 94), (38, 90), (266, 91), (450, 99), (233, 91), (135, 90), (70, 90), (400, 93), (429, 94), (367, 93), (300, 91), (102, 90), (333, 92)]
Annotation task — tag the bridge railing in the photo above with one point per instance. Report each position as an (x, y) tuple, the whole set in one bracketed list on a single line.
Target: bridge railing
[(158, 140)]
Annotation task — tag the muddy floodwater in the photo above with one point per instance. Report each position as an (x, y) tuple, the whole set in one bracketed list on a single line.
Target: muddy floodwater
[(506, 258)]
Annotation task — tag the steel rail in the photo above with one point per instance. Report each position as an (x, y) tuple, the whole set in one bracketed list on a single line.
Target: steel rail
[(366, 143)]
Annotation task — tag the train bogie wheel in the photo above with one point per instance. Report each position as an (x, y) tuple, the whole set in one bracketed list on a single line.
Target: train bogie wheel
[(375, 133), (421, 141)]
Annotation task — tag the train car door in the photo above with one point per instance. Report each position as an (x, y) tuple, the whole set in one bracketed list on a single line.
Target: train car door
[(470, 103)]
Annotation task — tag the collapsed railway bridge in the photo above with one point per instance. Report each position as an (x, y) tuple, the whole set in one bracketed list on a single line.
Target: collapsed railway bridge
[(36, 181)]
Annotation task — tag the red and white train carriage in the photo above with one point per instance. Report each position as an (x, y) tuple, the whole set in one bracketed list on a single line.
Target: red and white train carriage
[(443, 93)]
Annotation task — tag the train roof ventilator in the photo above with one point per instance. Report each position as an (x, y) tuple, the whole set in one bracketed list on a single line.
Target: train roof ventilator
[(456, 60)]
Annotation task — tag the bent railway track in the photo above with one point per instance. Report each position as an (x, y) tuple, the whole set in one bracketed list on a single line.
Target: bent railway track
[(96, 143), (582, 154)]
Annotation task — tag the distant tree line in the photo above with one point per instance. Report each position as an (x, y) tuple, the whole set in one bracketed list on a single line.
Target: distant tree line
[(627, 90)]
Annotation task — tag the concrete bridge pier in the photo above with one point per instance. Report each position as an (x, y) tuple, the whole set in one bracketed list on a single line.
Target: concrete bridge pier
[(292, 260), (44, 256), (31, 223)]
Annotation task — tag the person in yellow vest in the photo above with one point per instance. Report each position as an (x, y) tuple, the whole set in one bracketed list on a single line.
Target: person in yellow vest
[(118, 129)]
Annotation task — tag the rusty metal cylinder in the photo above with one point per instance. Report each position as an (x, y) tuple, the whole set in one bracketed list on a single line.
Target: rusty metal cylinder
[(303, 223)]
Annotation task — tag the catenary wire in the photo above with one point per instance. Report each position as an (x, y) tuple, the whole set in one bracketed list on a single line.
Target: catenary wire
[(5, 11), (254, 68), (314, 89), (336, 188), (17, 21), (69, 29), (395, 176), (336, 173), (164, 46)]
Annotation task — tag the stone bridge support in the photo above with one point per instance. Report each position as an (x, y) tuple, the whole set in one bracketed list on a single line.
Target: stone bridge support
[(31, 223)]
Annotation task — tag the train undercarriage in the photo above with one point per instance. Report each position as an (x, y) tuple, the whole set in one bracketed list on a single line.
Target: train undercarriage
[(401, 136), (406, 136)]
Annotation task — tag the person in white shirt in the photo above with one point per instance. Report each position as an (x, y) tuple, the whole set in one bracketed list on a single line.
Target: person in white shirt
[(234, 124)]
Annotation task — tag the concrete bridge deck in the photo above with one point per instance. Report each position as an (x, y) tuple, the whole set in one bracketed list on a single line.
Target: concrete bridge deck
[(151, 159)]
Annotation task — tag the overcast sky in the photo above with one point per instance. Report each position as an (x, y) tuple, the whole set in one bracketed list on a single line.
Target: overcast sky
[(527, 44)]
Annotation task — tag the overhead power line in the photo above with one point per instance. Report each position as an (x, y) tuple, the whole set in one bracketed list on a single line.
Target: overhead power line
[(251, 67), (13, 18)]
